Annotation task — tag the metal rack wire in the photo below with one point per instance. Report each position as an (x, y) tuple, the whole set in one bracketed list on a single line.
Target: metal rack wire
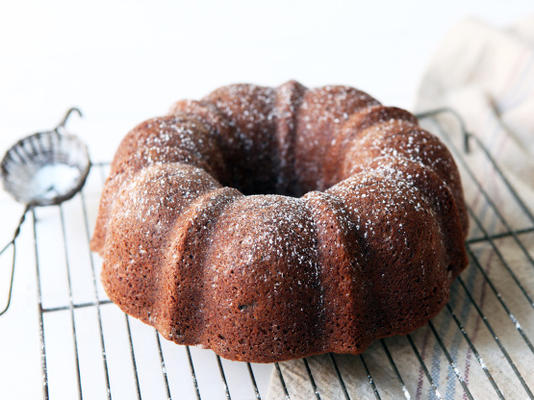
[(388, 348)]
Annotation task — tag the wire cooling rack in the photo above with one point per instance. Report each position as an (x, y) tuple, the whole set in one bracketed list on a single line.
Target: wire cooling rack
[(110, 355)]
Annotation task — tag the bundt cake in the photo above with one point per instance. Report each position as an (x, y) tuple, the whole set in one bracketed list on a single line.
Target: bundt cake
[(274, 223)]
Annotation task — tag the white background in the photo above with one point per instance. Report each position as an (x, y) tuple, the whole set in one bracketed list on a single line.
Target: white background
[(122, 62)]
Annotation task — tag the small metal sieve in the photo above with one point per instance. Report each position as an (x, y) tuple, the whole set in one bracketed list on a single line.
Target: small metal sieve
[(43, 169)]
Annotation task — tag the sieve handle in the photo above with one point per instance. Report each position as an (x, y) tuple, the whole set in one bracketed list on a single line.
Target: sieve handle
[(71, 110), (12, 243)]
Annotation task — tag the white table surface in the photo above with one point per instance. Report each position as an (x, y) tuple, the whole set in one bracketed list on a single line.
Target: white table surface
[(122, 62)]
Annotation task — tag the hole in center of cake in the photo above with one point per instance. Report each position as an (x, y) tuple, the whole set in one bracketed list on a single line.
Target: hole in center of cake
[(260, 181), (265, 174)]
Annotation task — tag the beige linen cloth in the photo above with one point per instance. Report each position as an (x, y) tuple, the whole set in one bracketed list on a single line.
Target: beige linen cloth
[(487, 75)]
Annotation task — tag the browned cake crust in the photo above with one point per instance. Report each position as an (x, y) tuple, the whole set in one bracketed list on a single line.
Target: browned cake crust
[(275, 223)]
